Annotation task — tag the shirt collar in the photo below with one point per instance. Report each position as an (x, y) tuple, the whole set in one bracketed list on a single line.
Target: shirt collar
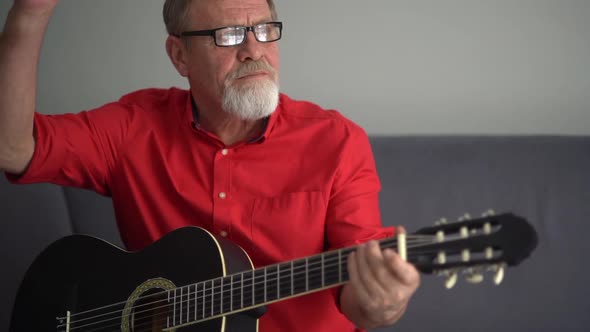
[(258, 138)]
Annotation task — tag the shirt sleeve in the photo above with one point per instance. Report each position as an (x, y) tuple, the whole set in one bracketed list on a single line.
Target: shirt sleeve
[(353, 215), (77, 150)]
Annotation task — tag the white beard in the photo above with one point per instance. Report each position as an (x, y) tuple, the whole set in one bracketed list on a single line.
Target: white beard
[(252, 101)]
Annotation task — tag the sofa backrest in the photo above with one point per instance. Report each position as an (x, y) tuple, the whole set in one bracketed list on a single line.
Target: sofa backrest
[(545, 179), (31, 217)]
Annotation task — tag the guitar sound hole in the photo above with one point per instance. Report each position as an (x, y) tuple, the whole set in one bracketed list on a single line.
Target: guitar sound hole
[(150, 312)]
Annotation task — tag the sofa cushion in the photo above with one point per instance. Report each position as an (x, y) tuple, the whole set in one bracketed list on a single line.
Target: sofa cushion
[(545, 179), (32, 217)]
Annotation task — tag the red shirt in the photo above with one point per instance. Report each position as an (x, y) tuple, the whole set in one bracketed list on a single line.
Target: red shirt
[(307, 184)]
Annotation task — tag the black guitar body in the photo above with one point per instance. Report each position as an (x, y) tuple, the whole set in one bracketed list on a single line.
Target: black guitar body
[(192, 281), (80, 273)]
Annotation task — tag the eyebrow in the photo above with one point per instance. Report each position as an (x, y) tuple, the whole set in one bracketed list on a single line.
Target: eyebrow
[(261, 21)]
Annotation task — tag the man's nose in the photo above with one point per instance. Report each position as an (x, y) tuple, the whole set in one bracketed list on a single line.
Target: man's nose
[(250, 49)]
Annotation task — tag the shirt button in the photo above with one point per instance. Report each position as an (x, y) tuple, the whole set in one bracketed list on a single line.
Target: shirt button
[(222, 195), (223, 233), (224, 152)]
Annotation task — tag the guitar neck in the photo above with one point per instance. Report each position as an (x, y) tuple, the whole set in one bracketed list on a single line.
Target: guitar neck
[(250, 289), (476, 244), (50, 291)]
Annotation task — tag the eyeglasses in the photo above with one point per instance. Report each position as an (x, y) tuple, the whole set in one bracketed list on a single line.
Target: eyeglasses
[(232, 36)]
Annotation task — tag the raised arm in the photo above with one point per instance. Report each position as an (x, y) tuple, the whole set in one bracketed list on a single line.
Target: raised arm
[(20, 45)]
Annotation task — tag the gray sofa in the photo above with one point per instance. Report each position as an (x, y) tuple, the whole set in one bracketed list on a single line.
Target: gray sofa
[(545, 179)]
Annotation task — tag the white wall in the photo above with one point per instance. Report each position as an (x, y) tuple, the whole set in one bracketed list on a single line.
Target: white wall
[(394, 66)]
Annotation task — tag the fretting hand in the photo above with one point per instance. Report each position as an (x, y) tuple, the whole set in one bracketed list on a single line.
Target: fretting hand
[(381, 284)]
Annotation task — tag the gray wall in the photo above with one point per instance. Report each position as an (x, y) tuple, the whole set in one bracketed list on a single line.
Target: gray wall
[(394, 66)]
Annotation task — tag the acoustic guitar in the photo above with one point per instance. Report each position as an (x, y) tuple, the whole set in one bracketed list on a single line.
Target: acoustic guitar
[(192, 280)]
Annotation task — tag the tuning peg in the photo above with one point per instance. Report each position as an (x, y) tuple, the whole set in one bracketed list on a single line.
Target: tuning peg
[(451, 279), (441, 221), (465, 255), (489, 213), (464, 232), (499, 273), (440, 236), (489, 253), (487, 228), (465, 217), (473, 276)]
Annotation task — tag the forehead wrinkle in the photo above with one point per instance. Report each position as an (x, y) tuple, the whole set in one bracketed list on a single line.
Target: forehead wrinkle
[(216, 13)]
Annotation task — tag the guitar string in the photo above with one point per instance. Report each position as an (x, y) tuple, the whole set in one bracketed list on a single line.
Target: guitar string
[(410, 240), (147, 322), (272, 278), (162, 317), (298, 261), (223, 306), (217, 307), (217, 287)]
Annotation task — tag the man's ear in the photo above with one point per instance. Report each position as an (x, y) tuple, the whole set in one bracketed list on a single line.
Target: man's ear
[(177, 52)]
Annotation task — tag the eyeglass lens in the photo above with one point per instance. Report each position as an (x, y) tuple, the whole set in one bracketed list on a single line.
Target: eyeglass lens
[(267, 32)]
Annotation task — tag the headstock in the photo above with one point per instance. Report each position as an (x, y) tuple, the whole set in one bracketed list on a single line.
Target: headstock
[(472, 246)]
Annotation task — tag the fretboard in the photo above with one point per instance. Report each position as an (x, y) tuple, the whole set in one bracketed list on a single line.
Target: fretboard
[(250, 289)]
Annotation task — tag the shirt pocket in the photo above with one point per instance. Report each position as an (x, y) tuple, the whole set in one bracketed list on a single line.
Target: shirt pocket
[(288, 226)]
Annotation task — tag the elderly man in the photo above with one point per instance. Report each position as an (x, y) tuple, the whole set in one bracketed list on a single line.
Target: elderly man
[(281, 178)]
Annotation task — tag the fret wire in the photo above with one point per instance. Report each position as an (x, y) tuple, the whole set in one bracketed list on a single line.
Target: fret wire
[(292, 282), (322, 270), (231, 296), (242, 292), (253, 294), (278, 282), (339, 266), (180, 306), (180, 314), (196, 304), (174, 311), (306, 274), (207, 299), (188, 303), (188, 300), (204, 300), (264, 285), (168, 320), (212, 298), (221, 296), (197, 299)]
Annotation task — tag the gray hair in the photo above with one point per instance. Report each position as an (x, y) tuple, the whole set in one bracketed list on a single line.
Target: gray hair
[(176, 14)]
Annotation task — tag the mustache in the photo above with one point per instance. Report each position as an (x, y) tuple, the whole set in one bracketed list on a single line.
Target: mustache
[(250, 67)]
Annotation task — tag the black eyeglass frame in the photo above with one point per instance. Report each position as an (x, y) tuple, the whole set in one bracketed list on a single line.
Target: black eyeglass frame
[(213, 33)]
